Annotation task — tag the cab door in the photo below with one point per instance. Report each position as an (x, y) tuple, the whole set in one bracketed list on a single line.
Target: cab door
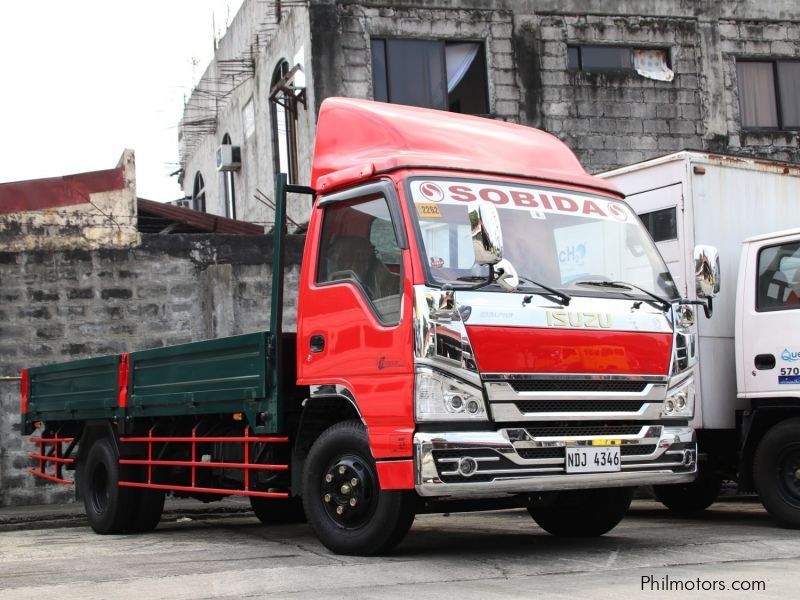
[(770, 319), (354, 314)]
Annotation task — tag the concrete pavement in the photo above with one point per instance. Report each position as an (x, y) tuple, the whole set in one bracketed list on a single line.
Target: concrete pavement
[(229, 554)]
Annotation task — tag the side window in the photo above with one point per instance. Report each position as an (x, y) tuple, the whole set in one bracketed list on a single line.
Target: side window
[(358, 244), (662, 224), (779, 278)]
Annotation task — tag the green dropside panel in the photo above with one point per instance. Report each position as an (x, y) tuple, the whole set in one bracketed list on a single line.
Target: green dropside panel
[(75, 390), (224, 375)]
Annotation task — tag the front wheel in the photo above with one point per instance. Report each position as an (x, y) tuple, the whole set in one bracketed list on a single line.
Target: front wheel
[(583, 513), (343, 502), (776, 471), (690, 497)]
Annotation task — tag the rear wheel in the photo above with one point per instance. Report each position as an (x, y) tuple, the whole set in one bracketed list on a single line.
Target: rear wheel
[(148, 507), (583, 513), (776, 471), (109, 508), (690, 497), (279, 510), (343, 501)]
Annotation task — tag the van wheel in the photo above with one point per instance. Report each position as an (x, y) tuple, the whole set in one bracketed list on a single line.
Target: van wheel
[(109, 508), (690, 497), (277, 511), (776, 472), (583, 513), (345, 506)]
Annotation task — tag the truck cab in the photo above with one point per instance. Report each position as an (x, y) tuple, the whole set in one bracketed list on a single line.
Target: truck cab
[(557, 362), (768, 368)]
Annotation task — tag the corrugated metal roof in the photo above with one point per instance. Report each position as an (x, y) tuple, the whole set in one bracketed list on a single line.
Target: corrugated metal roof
[(155, 217)]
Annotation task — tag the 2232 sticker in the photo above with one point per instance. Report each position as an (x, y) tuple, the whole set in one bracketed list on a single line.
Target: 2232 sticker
[(428, 210)]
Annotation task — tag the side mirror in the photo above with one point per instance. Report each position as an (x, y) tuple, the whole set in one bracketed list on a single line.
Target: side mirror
[(507, 277), (706, 271), (487, 238)]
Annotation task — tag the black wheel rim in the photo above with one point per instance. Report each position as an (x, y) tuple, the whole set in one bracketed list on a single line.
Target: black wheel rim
[(99, 491), (349, 491), (789, 474)]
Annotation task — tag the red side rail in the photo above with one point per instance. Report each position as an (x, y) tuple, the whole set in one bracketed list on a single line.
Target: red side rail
[(246, 466), (54, 456)]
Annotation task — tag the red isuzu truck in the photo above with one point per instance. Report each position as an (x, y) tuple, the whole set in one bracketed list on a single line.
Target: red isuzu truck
[(480, 323)]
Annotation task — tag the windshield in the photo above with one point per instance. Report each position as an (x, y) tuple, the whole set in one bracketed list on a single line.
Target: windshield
[(566, 240)]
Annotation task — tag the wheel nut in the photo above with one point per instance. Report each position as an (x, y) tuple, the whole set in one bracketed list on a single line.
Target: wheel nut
[(327, 498), (353, 502), (341, 470), (339, 510), (354, 482), (328, 478), (345, 489)]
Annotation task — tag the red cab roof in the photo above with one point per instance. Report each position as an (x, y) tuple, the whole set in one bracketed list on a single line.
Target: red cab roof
[(358, 138)]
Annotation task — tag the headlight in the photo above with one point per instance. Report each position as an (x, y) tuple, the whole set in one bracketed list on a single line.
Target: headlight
[(679, 403), (438, 397)]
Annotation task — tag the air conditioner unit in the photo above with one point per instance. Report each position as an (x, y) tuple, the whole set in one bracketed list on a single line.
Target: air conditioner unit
[(229, 158)]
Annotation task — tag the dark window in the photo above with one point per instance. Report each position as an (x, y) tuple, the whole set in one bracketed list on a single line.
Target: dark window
[(778, 285), (284, 127), (600, 58), (358, 244), (228, 189), (431, 74), (648, 62), (769, 94), (662, 224), (199, 193)]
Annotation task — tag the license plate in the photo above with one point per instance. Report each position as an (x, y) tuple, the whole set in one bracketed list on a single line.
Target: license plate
[(593, 459)]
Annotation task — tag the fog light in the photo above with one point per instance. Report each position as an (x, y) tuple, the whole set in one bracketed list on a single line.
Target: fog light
[(467, 466)]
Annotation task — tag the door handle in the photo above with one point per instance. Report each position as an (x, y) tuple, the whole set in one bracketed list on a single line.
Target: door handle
[(317, 343), (764, 362)]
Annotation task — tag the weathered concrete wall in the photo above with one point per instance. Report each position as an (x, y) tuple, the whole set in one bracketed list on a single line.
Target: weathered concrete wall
[(104, 219), (70, 304), (609, 120), (225, 102)]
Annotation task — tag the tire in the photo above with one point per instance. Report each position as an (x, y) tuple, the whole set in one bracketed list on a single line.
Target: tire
[(278, 511), (146, 514), (690, 497), (776, 472), (378, 521), (109, 508), (583, 513)]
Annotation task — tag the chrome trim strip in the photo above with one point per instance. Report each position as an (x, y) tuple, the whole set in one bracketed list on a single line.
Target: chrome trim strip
[(574, 377)]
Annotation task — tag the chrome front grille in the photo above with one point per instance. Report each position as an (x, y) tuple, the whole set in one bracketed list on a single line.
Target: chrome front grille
[(536, 406), (516, 397), (577, 385)]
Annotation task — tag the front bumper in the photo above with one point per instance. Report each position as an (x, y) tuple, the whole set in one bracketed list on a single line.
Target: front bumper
[(531, 459)]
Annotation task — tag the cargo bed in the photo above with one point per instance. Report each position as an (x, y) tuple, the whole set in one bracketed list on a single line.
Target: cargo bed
[(225, 375)]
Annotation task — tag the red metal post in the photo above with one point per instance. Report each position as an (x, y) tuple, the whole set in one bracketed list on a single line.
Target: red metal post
[(246, 458)]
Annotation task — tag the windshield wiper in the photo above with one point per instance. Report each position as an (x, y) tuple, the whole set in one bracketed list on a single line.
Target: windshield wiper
[(660, 302), (563, 299)]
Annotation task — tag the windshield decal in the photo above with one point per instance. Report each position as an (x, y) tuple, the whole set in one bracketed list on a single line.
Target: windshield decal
[(536, 202)]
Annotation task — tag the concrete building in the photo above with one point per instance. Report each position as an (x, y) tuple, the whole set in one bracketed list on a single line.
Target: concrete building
[(619, 82)]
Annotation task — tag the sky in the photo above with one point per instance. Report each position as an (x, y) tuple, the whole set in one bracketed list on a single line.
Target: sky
[(81, 80)]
